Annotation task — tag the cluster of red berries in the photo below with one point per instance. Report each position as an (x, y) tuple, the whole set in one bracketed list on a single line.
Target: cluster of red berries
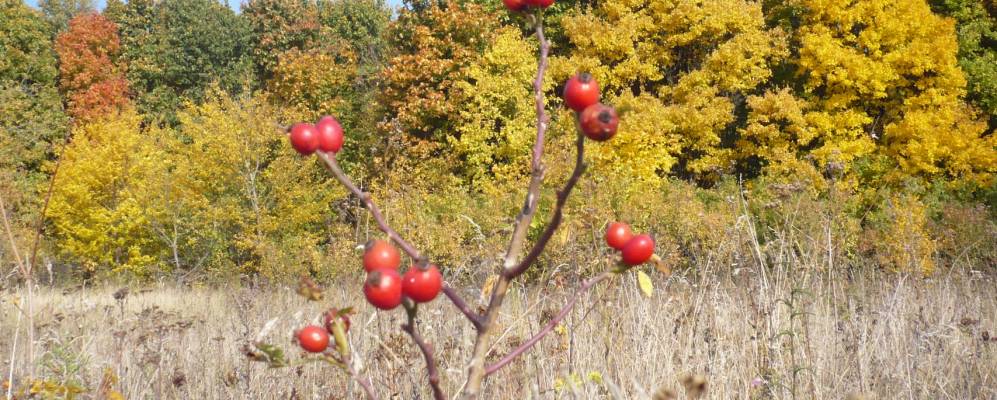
[(325, 135), (635, 250), (596, 120), (521, 5), (384, 287)]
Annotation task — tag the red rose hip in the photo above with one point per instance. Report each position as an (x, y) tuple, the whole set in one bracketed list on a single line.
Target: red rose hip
[(304, 138), (383, 289), (313, 339), (599, 122), (618, 234), (515, 5), (638, 250), (420, 285), (540, 3), (581, 91), (379, 254), (330, 134)]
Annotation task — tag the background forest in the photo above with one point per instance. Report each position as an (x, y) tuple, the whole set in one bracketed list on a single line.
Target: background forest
[(160, 122)]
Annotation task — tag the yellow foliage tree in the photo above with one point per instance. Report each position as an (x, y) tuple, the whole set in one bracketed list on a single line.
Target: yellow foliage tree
[(239, 195), (101, 207), (677, 69), (893, 64), (496, 122)]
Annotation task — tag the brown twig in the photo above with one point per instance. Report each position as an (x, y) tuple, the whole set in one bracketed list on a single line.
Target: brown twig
[(565, 310), (364, 382), (476, 367), (427, 350), (458, 302)]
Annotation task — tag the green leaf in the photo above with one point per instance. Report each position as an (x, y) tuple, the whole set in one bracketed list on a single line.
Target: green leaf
[(644, 282)]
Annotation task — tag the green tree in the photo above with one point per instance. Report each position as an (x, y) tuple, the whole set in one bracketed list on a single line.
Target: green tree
[(277, 27), (59, 12), (32, 122), (977, 31), (360, 23), (175, 49)]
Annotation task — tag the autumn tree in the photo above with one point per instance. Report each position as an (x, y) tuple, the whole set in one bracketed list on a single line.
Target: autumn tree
[(680, 71), (235, 198), (432, 48), (91, 75), (898, 83), (101, 208)]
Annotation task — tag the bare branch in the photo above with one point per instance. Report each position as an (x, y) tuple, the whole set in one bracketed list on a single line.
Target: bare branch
[(363, 381), (427, 350), (330, 161), (457, 301), (518, 351)]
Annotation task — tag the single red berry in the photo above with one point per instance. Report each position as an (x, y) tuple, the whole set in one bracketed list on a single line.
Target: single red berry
[(581, 91), (380, 254), (304, 138), (515, 5), (599, 122), (330, 134), (422, 285), (539, 3), (383, 288), (618, 234), (313, 339), (638, 250)]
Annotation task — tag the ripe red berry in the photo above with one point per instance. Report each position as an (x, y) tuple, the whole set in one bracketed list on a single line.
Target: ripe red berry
[(618, 234), (420, 285), (539, 3), (515, 5), (383, 288), (304, 138), (330, 134), (380, 254), (638, 250), (313, 339), (581, 91), (599, 122)]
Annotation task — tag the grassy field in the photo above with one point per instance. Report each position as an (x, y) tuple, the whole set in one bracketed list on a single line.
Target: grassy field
[(746, 334)]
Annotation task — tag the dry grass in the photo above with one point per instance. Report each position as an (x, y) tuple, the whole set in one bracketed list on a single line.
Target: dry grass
[(777, 335)]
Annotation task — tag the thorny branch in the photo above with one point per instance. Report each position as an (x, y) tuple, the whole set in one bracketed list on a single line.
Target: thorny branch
[(426, 349)]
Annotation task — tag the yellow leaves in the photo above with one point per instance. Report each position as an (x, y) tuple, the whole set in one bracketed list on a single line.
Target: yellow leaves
[(101, 203), (496, 123), (313, 80)]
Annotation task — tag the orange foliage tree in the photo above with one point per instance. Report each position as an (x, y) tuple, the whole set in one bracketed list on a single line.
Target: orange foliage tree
[(90, 75)]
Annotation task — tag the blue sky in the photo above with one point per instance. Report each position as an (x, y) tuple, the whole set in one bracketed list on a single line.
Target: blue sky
[(231, 3)]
